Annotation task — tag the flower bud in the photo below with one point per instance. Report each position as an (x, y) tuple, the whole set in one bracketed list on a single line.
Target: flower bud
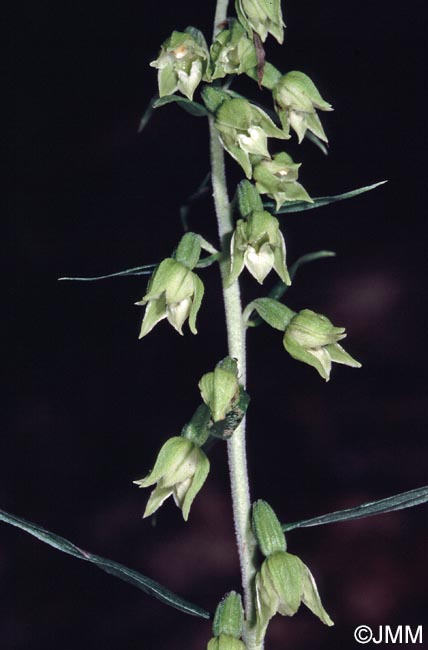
[(182, 63), (244, 130), (232, 52), (262, 16), (296, 100), (180, 470), (267, 529), (174, 292), (313, 339), (229, 616), (220, 389), (278, 179), (282, 583), (258, 244), (228, 622)]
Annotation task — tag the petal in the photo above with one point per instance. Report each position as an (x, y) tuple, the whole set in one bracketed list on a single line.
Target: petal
[(311, 598), (155, 312), (259, 264), (199, 290), (339, 355), (157, 497), (177, 312), (199, 478)]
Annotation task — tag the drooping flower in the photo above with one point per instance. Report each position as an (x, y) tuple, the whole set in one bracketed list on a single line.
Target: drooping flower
[(258, 244), (313, 339), (282, 583), (244, 129), (232, 52), (175, 293), (261, 16), (296, 102), (182, 62), (180, 471), (278, 179)]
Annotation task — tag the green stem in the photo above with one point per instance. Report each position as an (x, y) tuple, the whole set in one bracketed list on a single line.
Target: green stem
[(236, 340)]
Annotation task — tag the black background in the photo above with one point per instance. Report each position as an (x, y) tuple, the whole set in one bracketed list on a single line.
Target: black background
[(88, 405)]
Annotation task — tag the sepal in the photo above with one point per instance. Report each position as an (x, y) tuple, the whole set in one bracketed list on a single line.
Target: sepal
[(282, 583)]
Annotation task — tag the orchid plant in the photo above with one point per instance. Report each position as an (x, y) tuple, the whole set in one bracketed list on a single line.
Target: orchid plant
[(274, 581)]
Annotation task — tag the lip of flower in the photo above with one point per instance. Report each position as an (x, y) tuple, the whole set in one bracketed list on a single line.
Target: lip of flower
[(180, 52), (259, 262), (254, 141), (177, 313)]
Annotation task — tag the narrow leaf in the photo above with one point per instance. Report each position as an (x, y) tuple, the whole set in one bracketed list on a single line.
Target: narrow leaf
[(300, 206), (147, 114), (109, 566), (137, 270), (390, 504), (191, 107)]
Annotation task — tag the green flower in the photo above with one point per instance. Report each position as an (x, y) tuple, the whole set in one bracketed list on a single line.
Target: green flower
[(278, 179), (313, 339), (244, 130), (282, 583), (182, 63), (232, 52), (262, 16), (175, 293), (258, 244), (180, 470), (296, 102)]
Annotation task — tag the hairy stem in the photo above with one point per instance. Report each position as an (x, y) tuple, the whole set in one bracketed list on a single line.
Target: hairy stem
[(236, 341)]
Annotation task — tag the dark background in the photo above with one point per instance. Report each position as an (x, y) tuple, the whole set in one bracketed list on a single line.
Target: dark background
[(88, 405)]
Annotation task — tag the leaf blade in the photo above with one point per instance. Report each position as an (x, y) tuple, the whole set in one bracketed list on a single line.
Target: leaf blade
[(301, 206), (147, 269), (390, 504), (149, 586), (191, 107)]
